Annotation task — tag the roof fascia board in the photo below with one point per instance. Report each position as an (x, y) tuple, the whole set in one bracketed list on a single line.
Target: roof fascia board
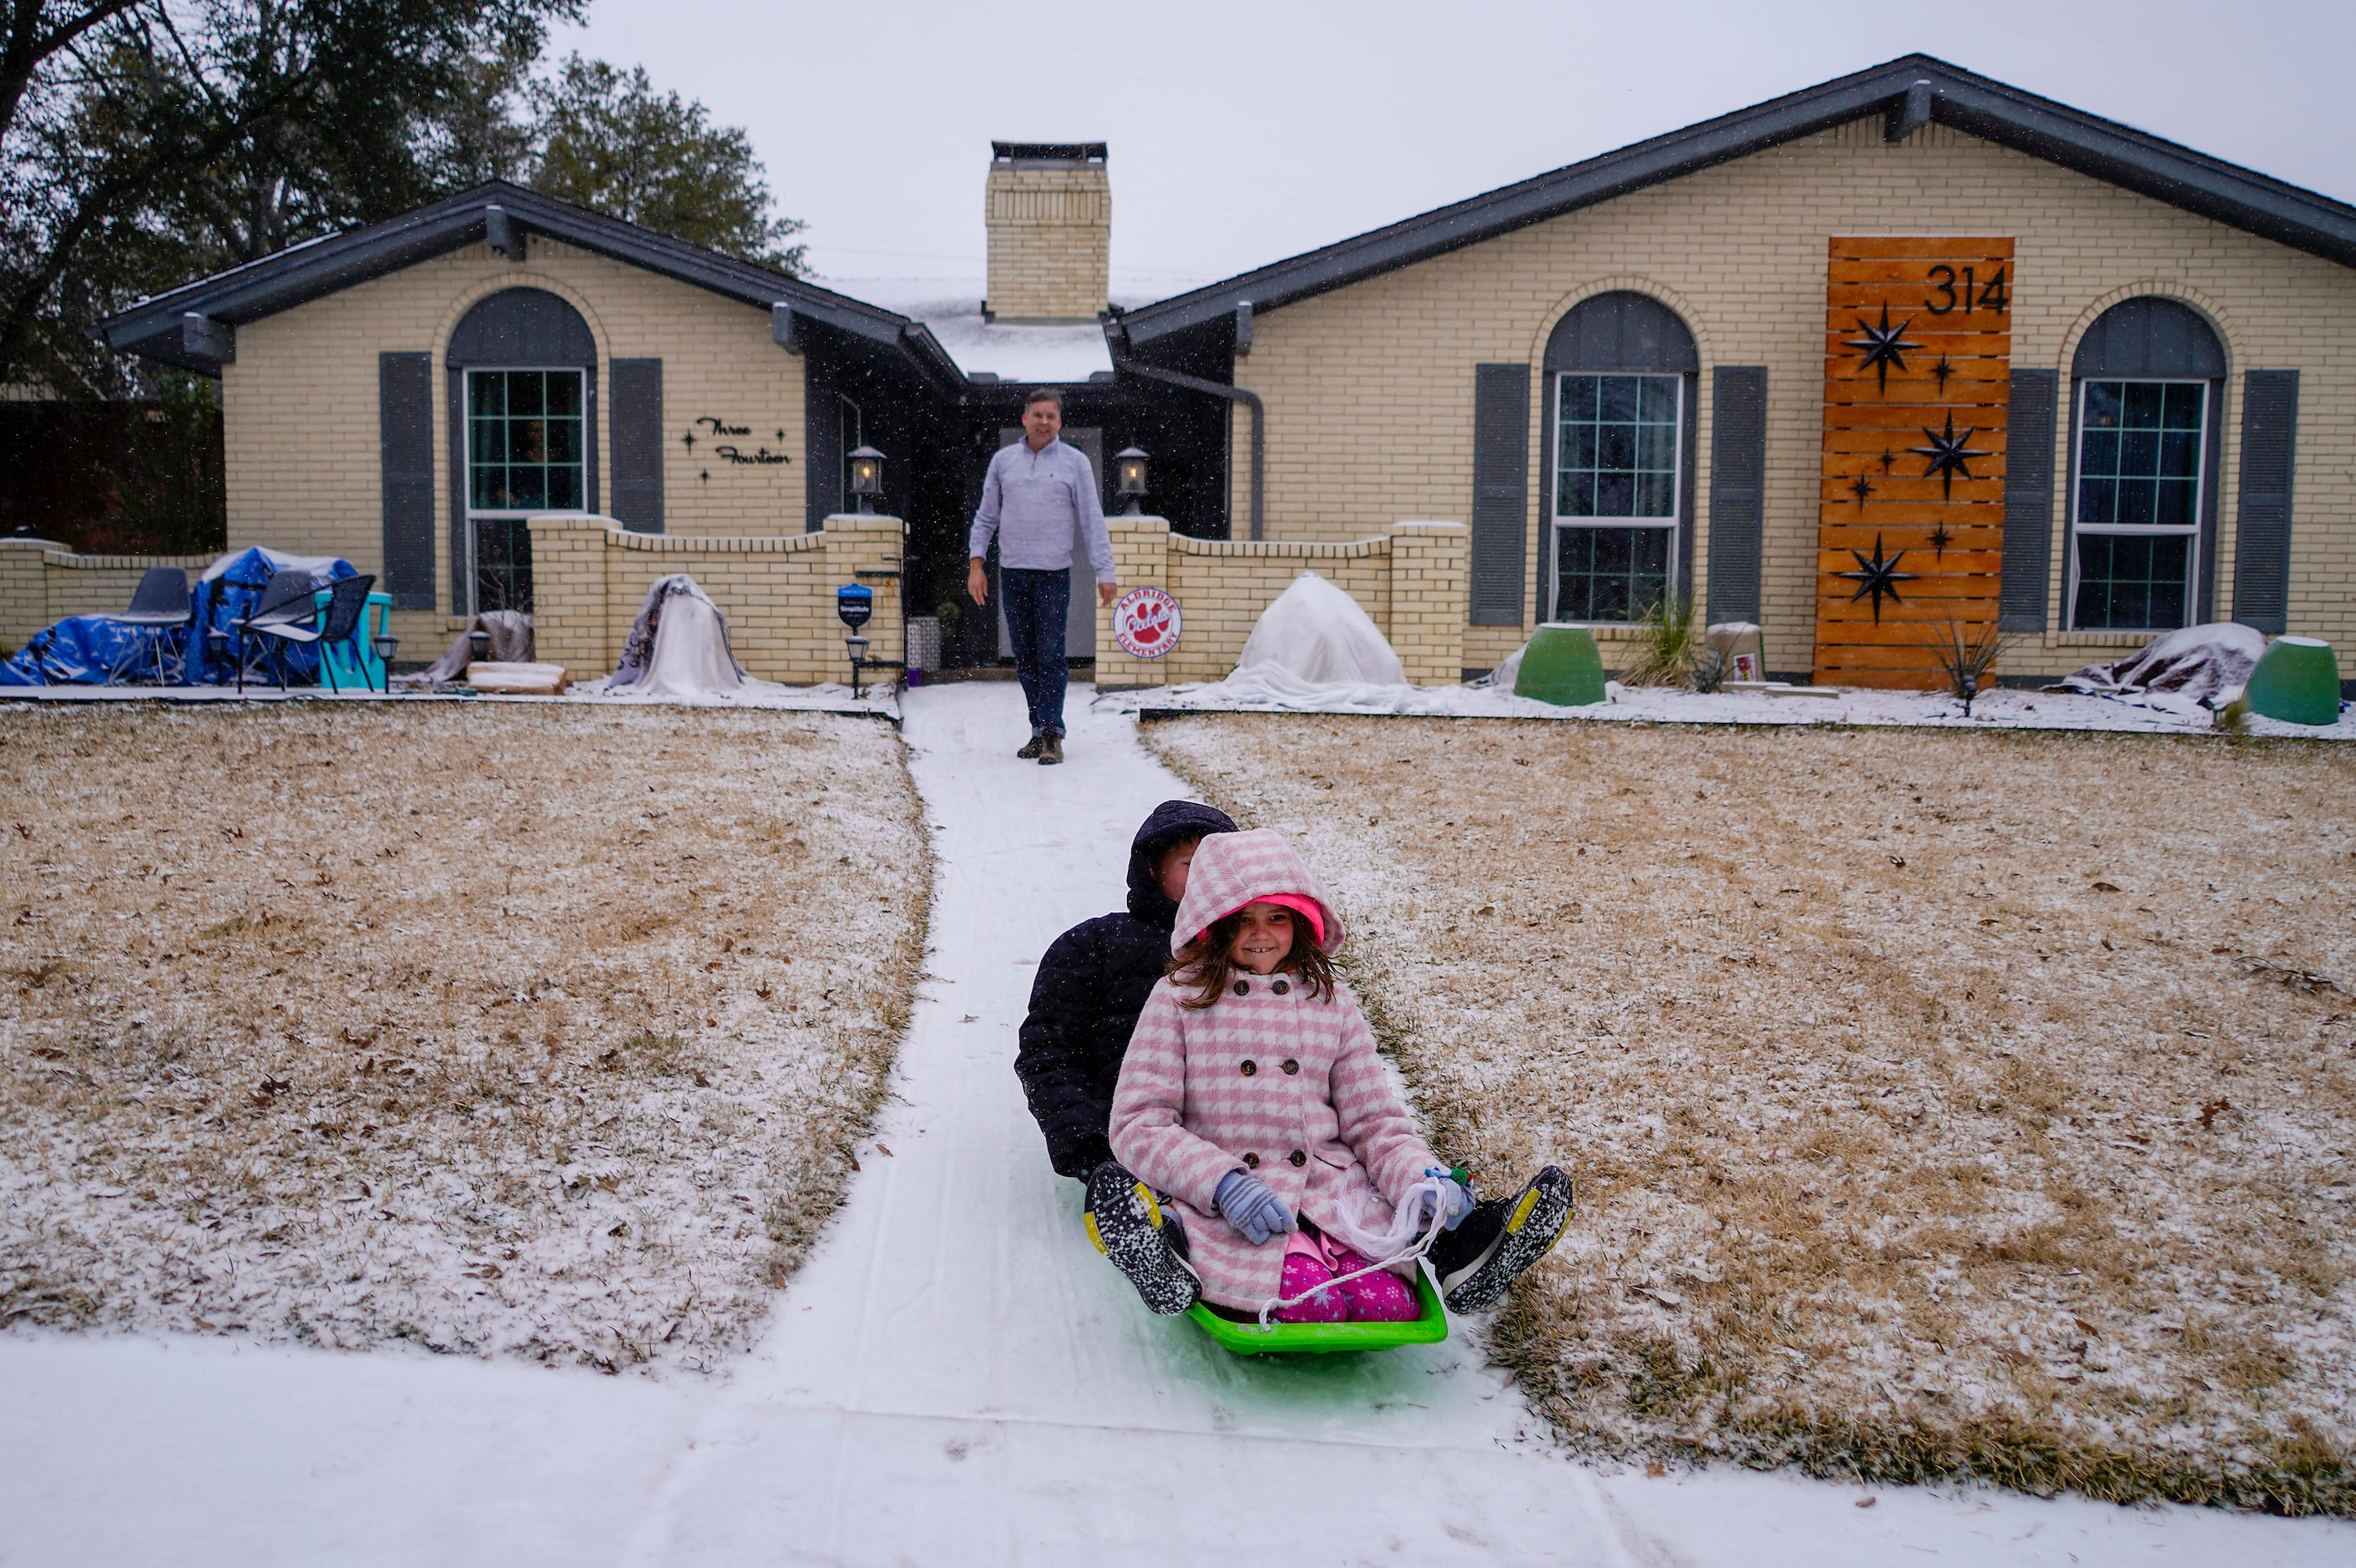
[(1514, 206), (2134, 160), (310, 271), (2239, 197)]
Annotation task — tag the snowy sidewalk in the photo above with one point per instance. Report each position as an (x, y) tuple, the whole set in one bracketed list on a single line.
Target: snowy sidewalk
[(955, 1376)]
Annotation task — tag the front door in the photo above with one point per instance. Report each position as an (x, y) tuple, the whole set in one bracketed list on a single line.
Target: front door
[(525, 456), (1080, 623)]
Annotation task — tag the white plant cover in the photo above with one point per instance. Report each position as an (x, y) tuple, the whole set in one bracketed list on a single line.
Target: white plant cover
[(1313, 645), (2210, 662), (690, 658)]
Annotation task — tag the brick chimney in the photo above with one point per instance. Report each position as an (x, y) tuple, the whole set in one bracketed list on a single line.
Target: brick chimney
[(1048, 211)]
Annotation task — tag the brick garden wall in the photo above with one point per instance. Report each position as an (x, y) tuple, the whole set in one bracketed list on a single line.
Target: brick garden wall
[(589, 576), (40, 582), (1369, 388), (1411, 580)]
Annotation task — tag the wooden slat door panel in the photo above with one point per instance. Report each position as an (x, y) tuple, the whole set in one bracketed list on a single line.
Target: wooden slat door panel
[(1883, 497)]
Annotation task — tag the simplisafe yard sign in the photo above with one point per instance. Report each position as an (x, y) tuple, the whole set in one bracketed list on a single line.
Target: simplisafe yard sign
[(1146, 622)]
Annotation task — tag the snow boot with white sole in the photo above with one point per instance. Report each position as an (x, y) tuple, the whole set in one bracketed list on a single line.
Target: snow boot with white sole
[(1499, 1239), (1144, 1241)]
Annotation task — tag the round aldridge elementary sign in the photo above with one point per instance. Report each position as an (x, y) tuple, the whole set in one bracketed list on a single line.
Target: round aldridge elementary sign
[(1145, 623)]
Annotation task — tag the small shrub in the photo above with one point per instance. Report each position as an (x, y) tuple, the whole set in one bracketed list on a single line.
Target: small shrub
[(1710, 668), (1967, 656), (1667, 644)]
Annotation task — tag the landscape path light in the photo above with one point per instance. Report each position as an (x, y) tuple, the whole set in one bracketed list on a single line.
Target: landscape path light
[(1129, 480), (866, 476)]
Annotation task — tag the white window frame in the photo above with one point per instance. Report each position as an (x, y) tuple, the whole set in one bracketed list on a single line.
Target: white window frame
[(466, 465), (1557, 521), (2193, 562)]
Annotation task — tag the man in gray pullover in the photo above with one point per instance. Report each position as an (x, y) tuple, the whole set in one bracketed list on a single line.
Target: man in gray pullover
[(1039, 492)]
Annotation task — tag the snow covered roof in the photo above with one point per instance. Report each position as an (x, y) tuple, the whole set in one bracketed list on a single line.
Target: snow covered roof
[(1062, 351)]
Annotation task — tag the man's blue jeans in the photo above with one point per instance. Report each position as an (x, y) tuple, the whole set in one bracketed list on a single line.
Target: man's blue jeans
[(1037, 605)]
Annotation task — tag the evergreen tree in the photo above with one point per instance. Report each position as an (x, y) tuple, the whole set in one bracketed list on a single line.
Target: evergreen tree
[(610, 141)]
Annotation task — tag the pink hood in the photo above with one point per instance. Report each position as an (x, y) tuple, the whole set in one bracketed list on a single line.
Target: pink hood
[(1230, 870)]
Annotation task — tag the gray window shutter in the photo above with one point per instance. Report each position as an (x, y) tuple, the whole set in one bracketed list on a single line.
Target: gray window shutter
[(2028, 501), (1501, 487), (1737, 489), (823, 440), (638, 415), (2262, 531), (462, 587), (404, 391)]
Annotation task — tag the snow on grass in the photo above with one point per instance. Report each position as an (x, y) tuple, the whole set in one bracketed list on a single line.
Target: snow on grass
[(1941, 1104), (499, 1030), (2155, 711)]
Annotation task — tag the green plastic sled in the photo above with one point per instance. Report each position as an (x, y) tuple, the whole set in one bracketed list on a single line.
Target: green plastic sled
[(1326, 1339), (1562, 666), (2298, 682)]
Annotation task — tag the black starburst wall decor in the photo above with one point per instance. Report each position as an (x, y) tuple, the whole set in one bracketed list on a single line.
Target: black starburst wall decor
[(1889, 460), (1941, 371), (1882, 346), (1949, 454), (1940, 539), (1861, 487), (1877, 577)]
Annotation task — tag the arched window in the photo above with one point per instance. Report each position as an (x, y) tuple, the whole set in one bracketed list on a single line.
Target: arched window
[(1620, 380), (2145, 385), (523, 380)]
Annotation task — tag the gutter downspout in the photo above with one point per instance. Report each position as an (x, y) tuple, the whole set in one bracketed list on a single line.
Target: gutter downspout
[(1233, 394)]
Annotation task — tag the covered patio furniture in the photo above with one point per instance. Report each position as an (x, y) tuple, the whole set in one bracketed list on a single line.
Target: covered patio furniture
[(159, 607), (286, 603), (299, 620)]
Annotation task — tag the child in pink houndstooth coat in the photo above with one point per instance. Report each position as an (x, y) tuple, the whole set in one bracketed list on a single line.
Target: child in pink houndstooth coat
[(1253, 1096)]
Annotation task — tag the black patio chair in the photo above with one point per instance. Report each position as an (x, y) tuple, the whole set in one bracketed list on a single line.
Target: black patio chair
[(159, 604), (346, 605), (286, 603)]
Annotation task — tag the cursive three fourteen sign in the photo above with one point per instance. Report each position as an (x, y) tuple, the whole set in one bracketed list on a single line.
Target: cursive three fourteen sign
[(1146, 622)]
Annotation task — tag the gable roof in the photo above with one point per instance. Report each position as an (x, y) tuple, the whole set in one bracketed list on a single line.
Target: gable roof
[(158, 327), (1910, 92)]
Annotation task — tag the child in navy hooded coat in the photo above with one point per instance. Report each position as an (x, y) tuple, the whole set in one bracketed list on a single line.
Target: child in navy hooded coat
[(1090, 986)]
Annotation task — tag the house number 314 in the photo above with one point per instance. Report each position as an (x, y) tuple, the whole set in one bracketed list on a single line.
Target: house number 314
[(1947, 294)]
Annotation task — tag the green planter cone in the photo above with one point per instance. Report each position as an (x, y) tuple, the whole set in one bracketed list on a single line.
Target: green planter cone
[(1561, 666), (2298, 682)]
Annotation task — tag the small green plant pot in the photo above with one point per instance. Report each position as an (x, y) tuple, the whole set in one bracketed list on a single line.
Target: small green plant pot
[(1561, 666), (1329, 1338), (2298, 682)]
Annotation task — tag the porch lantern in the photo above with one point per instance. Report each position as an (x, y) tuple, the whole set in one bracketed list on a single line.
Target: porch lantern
[(866, 476), (1128, 478)]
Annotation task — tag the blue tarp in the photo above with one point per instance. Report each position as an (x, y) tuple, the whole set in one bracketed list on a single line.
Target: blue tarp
[(90, 649)]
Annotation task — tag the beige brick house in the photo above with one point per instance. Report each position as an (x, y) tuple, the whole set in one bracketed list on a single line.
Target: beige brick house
[(1430, 370), (407, 396), (2022, 366)]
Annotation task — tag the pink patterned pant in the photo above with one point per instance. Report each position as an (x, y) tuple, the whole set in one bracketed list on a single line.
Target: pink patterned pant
[(1379, 1297)]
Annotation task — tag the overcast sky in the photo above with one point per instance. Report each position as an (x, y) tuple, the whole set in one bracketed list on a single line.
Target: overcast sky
[(1244, 132)]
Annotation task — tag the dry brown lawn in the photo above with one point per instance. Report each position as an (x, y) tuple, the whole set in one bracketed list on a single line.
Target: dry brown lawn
[(1943, 1104), (498, 1029)]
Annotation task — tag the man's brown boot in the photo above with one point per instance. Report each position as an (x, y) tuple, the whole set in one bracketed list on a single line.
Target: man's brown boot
[(1051, 750), (1031, 751)]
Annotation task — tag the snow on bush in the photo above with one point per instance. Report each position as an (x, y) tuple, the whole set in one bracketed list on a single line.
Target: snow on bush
[(1314, 643), (1941, 1104), (498, 1029), (2198, 662)]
